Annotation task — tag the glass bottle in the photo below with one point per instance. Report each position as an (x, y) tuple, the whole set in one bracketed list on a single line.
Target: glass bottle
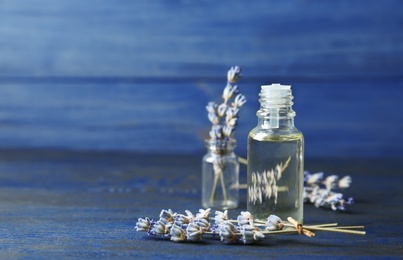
[(220, 175), (275, 158)]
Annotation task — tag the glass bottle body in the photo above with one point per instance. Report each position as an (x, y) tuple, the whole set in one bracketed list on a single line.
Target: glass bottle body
[(220, 175), (275, 173)]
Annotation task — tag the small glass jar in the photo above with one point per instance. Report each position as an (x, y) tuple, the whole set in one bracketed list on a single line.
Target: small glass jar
[(220, 175)]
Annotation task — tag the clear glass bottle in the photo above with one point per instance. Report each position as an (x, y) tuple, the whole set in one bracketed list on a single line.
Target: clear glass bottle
[(220, 175), (275, 158)]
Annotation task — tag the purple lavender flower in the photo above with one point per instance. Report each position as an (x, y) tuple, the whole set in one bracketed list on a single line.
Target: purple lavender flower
[(345, 182), (220, 217), (234, 74), (143, 225), (331, 182), (244, 218), (167, 216), (228, 232), (274, 223), (177, 234), (160, 229), (203, 223), (250, 234), (194, 233), (229, 92), (239, 100), (204, 213)]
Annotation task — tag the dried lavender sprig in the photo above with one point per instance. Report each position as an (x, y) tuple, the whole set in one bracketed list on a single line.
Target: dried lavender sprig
[(224, 117), (318, 191), (246, 231), (264, 184)]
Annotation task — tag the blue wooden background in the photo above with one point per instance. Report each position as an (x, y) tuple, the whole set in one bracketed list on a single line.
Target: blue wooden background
[(136, 75)]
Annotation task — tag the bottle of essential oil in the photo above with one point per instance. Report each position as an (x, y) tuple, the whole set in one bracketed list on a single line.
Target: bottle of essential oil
[(275, 158)]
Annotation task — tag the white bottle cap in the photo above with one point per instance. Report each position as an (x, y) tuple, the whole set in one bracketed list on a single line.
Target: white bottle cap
[(276, 93), (273, 97)]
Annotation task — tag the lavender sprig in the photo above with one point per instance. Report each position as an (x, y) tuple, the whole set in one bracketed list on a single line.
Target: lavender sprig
[(320, 191), (245, 229), (224, 119), (224, 116)]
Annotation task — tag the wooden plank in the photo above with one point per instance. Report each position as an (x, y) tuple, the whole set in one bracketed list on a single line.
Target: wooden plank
[(161, 117), (137, 75), (159, 38)]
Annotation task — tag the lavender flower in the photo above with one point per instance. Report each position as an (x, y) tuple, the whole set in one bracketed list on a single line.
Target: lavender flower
[(345, 182), (250, 234), (220, 217), (228, 131), (239, 101), (229, 92), (213, 118), (274, 223), (232, 112), (204, 213), (181, 219), (203, 223), (160, 229), (194, 233), (244, 218), (167, 216), (234, 74), (222, 109), (216, 132), (143, 225), (336, 201), (314, 179), (232, 122), (211, 107), (331, 182), (177, 234), (230, 115), (228, 232)]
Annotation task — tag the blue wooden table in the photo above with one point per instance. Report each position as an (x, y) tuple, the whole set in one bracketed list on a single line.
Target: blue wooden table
[(85, 205)]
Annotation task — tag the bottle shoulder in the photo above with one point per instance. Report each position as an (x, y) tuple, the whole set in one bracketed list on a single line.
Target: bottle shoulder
[(276, 134)]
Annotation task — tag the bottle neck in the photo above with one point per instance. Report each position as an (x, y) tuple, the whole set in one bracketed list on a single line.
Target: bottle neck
[(274, 119), (275, 107)]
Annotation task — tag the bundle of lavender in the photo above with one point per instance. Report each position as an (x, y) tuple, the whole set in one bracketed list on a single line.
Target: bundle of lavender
[(321, 192), (245, 229)]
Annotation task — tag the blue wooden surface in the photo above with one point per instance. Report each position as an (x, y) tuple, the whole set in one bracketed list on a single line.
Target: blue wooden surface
[(83, 205), (136, 75)]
